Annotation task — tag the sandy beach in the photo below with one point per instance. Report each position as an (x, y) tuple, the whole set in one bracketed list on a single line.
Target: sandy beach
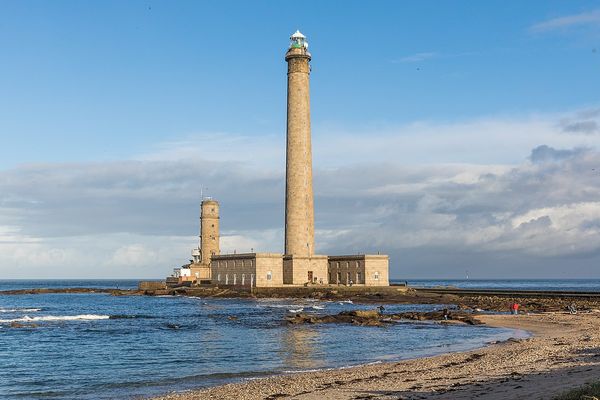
[(563, 353)]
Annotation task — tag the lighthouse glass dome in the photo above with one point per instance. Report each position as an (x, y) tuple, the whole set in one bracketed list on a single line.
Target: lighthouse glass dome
[(298, 41)]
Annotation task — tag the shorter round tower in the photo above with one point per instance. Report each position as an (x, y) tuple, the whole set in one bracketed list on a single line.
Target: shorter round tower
[(209, 230)]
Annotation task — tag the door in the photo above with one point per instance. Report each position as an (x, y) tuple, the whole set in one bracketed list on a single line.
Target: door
[(310, 276)]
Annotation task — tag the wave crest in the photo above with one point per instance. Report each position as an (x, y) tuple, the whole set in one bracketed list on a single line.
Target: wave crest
[(81, 317), (12, 310)]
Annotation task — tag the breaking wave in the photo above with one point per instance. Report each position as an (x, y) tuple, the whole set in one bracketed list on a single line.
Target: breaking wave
[(82, 317), (11, 310)]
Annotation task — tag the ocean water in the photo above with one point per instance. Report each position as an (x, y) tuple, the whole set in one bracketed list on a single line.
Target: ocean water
[(576, 285), (98, 346)]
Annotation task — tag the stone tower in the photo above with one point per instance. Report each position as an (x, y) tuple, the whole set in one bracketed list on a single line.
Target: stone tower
[(299, 210), (209, 230)]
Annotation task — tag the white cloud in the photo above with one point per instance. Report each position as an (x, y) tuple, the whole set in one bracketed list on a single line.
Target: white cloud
[(568, 21), (418, 57), (517, 187)]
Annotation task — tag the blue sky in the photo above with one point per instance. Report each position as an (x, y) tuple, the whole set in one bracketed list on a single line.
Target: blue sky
[(97, 81), (478, 124)]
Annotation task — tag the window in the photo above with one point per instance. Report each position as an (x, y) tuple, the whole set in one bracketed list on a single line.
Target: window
[(234, 279), (376, 276), (226, 279), (358, 277), (243, 279), (269, 275), (212, 225), (218, 277)]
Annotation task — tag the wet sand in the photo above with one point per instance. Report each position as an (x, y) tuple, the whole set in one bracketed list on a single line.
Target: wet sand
[(564, 353)]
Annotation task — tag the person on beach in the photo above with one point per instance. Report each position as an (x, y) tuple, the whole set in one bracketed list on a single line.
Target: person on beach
[(572, 309), (446, 314), (381, 309), (514, 308)]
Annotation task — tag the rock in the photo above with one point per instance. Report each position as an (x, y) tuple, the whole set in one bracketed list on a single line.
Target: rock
[(374, 318), (363, 313), (15, 324)]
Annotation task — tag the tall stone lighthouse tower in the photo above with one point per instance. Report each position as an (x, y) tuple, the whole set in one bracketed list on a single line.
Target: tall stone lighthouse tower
[(299, 209), (300, 264)]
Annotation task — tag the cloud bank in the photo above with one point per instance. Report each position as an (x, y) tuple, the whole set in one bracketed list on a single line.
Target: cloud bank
[(500, 197)]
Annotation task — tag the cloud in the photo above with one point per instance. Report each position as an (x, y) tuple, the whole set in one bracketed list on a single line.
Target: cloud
[(577, 20), (539, 211), (586, 122), (585, 127), (436, 197), (417, 57), (545, 153)]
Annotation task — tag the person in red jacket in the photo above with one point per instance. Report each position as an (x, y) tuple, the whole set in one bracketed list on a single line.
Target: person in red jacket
[(514, 308)]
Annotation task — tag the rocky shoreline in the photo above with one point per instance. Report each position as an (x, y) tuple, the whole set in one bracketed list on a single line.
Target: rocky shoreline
[(359, 295), (378, 318), (563, 354)]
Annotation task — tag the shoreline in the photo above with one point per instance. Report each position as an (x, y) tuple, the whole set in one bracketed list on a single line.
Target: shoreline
[(562, 354)]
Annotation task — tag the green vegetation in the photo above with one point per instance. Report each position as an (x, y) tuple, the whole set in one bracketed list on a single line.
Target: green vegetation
[(587, 392)]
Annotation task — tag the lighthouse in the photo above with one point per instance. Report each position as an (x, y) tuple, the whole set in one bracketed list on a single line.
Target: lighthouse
[(300, 264), (299, 202)]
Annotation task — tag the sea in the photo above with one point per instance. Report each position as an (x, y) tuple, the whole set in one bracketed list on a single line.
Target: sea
[(98, 346)]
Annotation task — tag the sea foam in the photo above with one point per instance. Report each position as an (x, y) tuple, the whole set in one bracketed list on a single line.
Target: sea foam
[(81, 317), (11, 310)]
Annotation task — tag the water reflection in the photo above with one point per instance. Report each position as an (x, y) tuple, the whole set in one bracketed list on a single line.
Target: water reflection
[(300, 348)]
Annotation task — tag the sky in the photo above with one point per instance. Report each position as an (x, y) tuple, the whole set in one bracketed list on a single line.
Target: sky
[(454, 136)]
